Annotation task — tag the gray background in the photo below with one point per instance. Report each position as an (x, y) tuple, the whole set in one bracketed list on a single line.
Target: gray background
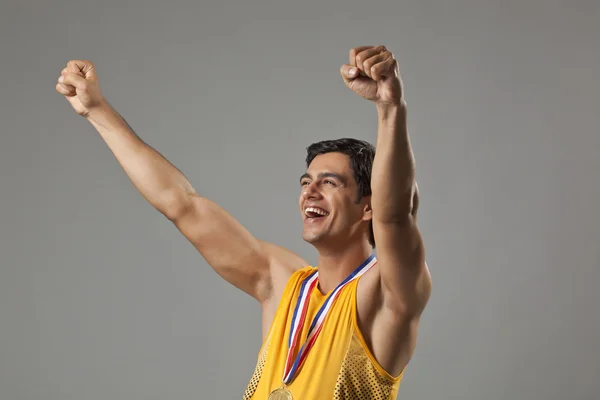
[(101, 298)]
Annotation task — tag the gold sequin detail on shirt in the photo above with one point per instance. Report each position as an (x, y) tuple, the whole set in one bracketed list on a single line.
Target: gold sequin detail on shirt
[(359, 379), (251, 388)]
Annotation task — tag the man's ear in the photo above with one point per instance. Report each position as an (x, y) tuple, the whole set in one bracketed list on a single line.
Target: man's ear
[(367, 210)]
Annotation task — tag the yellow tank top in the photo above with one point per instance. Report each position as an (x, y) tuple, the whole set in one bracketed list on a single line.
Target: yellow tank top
[(339, 366)]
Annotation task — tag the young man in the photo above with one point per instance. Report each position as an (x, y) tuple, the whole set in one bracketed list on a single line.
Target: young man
[(327, 334)]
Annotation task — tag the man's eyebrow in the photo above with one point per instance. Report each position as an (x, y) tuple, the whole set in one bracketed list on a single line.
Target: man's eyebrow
[(304, 176), (339, 177)]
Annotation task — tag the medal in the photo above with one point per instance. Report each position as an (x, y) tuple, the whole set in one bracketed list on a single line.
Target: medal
[(280, 394), (293, 365)]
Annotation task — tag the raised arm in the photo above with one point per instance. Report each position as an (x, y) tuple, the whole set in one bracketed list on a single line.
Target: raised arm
[(227, 246), (405, 281)]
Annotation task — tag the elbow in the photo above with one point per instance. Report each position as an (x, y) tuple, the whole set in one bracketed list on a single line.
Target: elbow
[(395, 218), (402, 211), (173, 204)]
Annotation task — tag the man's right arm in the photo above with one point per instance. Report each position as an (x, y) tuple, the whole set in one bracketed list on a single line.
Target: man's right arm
[(236, 255)]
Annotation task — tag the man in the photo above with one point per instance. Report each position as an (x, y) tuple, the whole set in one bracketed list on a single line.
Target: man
[(347, 328)]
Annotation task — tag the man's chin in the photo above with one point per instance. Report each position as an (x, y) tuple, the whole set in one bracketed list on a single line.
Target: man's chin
[(311, 237), (308, 238)]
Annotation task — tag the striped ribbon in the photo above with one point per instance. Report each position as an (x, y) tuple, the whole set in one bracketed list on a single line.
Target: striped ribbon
[(292, 365)]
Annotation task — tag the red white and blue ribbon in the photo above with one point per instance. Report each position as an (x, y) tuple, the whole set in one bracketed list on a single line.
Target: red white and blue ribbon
[(292, 365)]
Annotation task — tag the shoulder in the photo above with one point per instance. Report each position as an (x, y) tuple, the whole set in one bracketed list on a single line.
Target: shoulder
[(283, 264), (280, 257)]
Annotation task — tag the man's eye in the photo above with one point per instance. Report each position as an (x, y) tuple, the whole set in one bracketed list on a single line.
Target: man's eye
[(328, 182), (304, 183)]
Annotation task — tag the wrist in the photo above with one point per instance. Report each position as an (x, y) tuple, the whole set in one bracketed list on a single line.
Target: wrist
[(392, 111), (104, 115), (98, 111)]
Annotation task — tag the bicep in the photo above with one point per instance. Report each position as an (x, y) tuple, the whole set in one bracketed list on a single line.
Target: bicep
[(227, 246), (406, 282)]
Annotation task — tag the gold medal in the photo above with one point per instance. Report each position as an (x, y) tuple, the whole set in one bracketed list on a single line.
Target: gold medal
[(281, 394)]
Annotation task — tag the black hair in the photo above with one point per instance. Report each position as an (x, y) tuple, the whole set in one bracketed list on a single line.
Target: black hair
[(361, 155)]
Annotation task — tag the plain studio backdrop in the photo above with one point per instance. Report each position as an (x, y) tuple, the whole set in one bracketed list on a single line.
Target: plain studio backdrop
[(102, 298)]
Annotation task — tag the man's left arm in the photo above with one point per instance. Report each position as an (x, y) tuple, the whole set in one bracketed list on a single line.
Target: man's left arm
[(405, 280)]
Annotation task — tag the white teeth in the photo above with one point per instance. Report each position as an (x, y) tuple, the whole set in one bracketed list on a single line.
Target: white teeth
[(315, 210)]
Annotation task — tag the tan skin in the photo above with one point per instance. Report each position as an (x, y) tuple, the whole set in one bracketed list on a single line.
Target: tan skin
[(391, 296)]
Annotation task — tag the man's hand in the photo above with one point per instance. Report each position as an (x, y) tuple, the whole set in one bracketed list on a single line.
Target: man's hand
[(373, 74), (78, 82)]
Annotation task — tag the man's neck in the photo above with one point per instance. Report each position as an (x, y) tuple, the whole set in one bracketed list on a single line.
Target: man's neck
[(335, 266)]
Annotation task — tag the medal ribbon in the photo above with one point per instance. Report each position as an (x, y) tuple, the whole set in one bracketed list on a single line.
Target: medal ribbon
[(291, 365)]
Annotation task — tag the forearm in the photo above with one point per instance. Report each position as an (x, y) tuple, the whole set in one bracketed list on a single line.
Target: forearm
[(159, 182), (393, 177)]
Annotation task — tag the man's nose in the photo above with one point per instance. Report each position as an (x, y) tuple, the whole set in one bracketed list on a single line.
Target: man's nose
[(310, 191)]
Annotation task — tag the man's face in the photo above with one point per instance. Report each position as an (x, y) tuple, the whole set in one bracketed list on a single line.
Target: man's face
[(328, 202)]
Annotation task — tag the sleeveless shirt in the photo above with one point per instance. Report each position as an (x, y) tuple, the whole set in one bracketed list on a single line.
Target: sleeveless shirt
[(339, 366)]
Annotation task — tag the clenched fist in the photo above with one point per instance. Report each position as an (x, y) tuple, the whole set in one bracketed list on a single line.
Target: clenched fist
[(78, 82), (373, 74)]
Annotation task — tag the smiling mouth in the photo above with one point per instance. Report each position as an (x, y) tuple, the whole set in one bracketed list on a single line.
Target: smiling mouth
[(315, 213)]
